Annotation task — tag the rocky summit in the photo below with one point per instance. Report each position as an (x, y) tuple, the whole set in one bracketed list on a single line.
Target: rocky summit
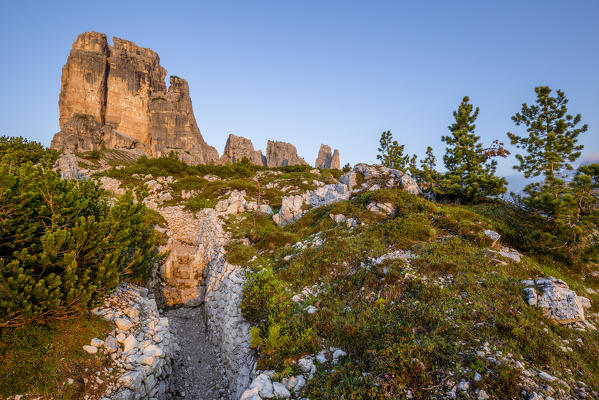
[(282, 154), (238, 147), (115, 97), (326, 158)]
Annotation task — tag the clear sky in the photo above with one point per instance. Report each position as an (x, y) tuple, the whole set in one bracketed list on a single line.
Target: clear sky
[(312, 72)]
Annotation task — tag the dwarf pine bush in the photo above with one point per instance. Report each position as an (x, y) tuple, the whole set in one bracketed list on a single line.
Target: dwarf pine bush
[(62, 247)]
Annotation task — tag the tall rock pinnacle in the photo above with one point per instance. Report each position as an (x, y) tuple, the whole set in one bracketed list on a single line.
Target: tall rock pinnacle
[(115, 97), (326, 159), (120, 93)]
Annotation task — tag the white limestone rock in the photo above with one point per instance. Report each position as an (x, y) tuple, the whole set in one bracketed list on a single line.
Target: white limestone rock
[(494, 236), (123, 324), (90, 349), (385, 209), (129, 344), (280, 391), (337, 354), (556, 300), (311, 310)]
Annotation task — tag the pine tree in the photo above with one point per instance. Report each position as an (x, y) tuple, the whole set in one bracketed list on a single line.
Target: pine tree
[(470, 173), (428, 169), (391, 153), (576, 225), (551, 147), (571, 208), (413, 166)]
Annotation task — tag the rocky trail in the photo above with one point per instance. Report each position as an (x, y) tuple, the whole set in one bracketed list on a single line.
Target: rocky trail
[(198, 372)]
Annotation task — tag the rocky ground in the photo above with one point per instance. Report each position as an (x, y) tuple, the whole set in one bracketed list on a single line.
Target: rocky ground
[(362, 267), (198, 373)]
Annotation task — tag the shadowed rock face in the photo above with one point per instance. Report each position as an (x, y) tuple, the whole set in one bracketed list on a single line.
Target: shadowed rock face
[(122, 89), (281, 154), (326, 159), (174, 126), (335, 162), (134, 75), (238, 147)]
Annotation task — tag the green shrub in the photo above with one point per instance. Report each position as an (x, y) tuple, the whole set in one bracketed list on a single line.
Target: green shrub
[(240, 169), (62, 247), (238, 253), (199, 202), (17, 150), (264, 295)]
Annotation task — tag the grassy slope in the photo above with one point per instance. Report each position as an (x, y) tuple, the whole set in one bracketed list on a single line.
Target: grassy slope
[(39, 359), (418, 326), (412, 327)]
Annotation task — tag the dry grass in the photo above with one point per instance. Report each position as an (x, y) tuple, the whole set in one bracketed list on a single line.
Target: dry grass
[(38, 360)]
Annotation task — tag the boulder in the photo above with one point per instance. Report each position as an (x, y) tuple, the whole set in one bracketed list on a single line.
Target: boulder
[(291, 209), (557, 300), (90, 349), (68, 166), (386, 209), (349, 179), (494, 236)]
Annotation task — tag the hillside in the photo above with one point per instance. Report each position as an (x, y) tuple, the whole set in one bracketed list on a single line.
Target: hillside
[(353, 285)]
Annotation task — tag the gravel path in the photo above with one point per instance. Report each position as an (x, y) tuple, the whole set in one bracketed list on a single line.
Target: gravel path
[(198, 373)]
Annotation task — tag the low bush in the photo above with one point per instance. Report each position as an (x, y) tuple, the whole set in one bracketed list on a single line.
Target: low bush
[(62, 247), (17, 150)]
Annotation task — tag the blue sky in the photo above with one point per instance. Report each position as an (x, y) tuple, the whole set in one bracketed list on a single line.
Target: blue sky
[(312, 72)]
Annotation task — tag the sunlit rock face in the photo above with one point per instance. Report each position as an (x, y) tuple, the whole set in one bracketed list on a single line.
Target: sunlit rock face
[(120, 92)]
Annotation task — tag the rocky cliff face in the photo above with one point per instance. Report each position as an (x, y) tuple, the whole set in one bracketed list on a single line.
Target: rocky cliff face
[(120, 93), (83, 84), (134, 75), (174, 126), (116, 97), (238, 147), (327, 159), (281, 154)]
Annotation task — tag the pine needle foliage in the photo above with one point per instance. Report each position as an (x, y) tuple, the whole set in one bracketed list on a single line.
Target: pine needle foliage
[(470, 173), (571, 206), (62, 246), (391, 153)]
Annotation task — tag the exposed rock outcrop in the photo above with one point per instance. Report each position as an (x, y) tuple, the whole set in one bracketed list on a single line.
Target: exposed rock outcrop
[(375, 177), (327, 159), (228, 331), (191, 247), (116, 96), (557, 300), (238, 147), (83, 133), (280, 154), (68, 166), (335, 161)]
